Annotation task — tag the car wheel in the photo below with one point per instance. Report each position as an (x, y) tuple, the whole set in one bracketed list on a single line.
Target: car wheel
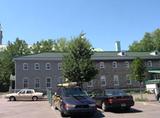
[(34, 98), (12, 98), (104, 106), (63, 114)]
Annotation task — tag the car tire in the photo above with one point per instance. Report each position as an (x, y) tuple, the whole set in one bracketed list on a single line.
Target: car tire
[(12, 98), (104, 106), (63, 114), (34, 98)]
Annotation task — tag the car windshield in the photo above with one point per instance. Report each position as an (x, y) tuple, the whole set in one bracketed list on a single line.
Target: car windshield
[(74, 92), (115, 92)]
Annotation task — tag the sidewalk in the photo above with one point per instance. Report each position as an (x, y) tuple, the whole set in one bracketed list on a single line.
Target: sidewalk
[(148, 97)]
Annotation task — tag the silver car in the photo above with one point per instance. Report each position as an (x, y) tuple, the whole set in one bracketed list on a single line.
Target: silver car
[(25, 94)]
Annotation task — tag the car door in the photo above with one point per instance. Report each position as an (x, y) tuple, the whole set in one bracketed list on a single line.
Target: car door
[(21, 95), (29, 94)]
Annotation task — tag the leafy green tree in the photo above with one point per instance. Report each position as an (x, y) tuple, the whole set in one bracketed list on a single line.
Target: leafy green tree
[(150, 42), (61, 45), (43, 46), (15, 49), (77, 64), (138, 72)]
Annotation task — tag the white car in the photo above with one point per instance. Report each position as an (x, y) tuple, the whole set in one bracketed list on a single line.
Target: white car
[(25, 94)]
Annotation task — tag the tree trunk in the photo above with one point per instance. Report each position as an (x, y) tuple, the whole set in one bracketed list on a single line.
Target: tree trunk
[(141, 91)]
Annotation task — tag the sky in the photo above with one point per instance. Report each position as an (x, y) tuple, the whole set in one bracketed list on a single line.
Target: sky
[(103, 21)]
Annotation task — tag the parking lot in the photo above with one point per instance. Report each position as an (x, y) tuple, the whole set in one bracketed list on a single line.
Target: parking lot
[(42, 109)]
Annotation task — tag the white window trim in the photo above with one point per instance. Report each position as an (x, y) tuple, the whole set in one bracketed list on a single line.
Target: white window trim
[(46, 65), (25, 65), (36, 83), (91, 83), (59, 66), (149, 63), (103, 78), (27, 82), (114, 64), (126, 63), (116, 79), (50, 82), (36, 66), (101, 65)]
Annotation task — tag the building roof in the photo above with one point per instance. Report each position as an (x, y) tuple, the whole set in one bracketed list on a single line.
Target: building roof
[(105, 55)]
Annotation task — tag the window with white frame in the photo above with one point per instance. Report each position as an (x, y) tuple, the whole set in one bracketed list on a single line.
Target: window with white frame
[(149, 63), (129, 81), (126, 64), (59, 66), (103, 80), (114, 64), (25, 83), (116, 80), (48, 82), (156, 76), (37, 66), (90, 83), (25, 66), (101, 65), (48, 66), (37, 83)]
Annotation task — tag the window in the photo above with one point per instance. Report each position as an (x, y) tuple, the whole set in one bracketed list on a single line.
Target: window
[(25, 66), (103, 80), (48, 82), (29, 92), (116, 80), (156, 76), (149, 63), (25, 83), (59, 66), (129, 81), (101, 64), (126, 64), (114, 64), (90, 83), (37, 83), (36, 66), (48, 66)]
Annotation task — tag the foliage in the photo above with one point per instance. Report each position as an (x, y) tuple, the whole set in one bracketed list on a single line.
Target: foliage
[(77, 64), (42, 46), (150, 42), (138, 71), (18, 48), (61, 45)]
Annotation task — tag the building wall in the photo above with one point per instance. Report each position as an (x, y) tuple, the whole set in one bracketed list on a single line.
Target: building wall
[(108, 71)]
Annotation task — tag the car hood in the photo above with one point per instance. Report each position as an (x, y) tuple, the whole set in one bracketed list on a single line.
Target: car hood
[(78, 100)]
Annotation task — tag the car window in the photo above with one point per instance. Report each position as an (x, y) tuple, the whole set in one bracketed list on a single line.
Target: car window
[(22, 92), (73, 92), (114, 92), (29, 92)]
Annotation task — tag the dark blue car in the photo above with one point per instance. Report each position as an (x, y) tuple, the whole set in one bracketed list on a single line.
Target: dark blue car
[(73, 100)]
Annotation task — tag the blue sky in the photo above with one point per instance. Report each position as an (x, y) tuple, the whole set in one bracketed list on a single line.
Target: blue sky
[(103, 21)]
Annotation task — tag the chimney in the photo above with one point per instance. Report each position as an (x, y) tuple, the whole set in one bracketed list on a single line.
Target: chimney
[(118, 46)]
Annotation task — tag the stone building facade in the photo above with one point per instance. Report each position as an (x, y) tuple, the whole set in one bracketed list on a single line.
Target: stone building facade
[(43, 71)]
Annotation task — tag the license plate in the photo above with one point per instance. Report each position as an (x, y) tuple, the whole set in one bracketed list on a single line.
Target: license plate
[(123, 105)]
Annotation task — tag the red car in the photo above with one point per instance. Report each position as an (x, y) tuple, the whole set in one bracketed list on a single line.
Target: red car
[(112, 98)]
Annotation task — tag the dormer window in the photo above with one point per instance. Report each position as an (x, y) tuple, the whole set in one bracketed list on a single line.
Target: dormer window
[(122, 53), (155, 53)]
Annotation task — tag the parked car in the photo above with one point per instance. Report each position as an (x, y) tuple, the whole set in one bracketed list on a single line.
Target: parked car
[(158, 97), (70, 100), (25, 94), (112, 98)]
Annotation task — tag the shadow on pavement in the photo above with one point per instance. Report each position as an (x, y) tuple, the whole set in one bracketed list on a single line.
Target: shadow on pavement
[(132, 110), (98, 114)]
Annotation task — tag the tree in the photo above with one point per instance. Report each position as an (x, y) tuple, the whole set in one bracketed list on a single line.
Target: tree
[(138, 72), (77, 64), (43, 46), (61, 45), (18, 48), (150, 42)]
